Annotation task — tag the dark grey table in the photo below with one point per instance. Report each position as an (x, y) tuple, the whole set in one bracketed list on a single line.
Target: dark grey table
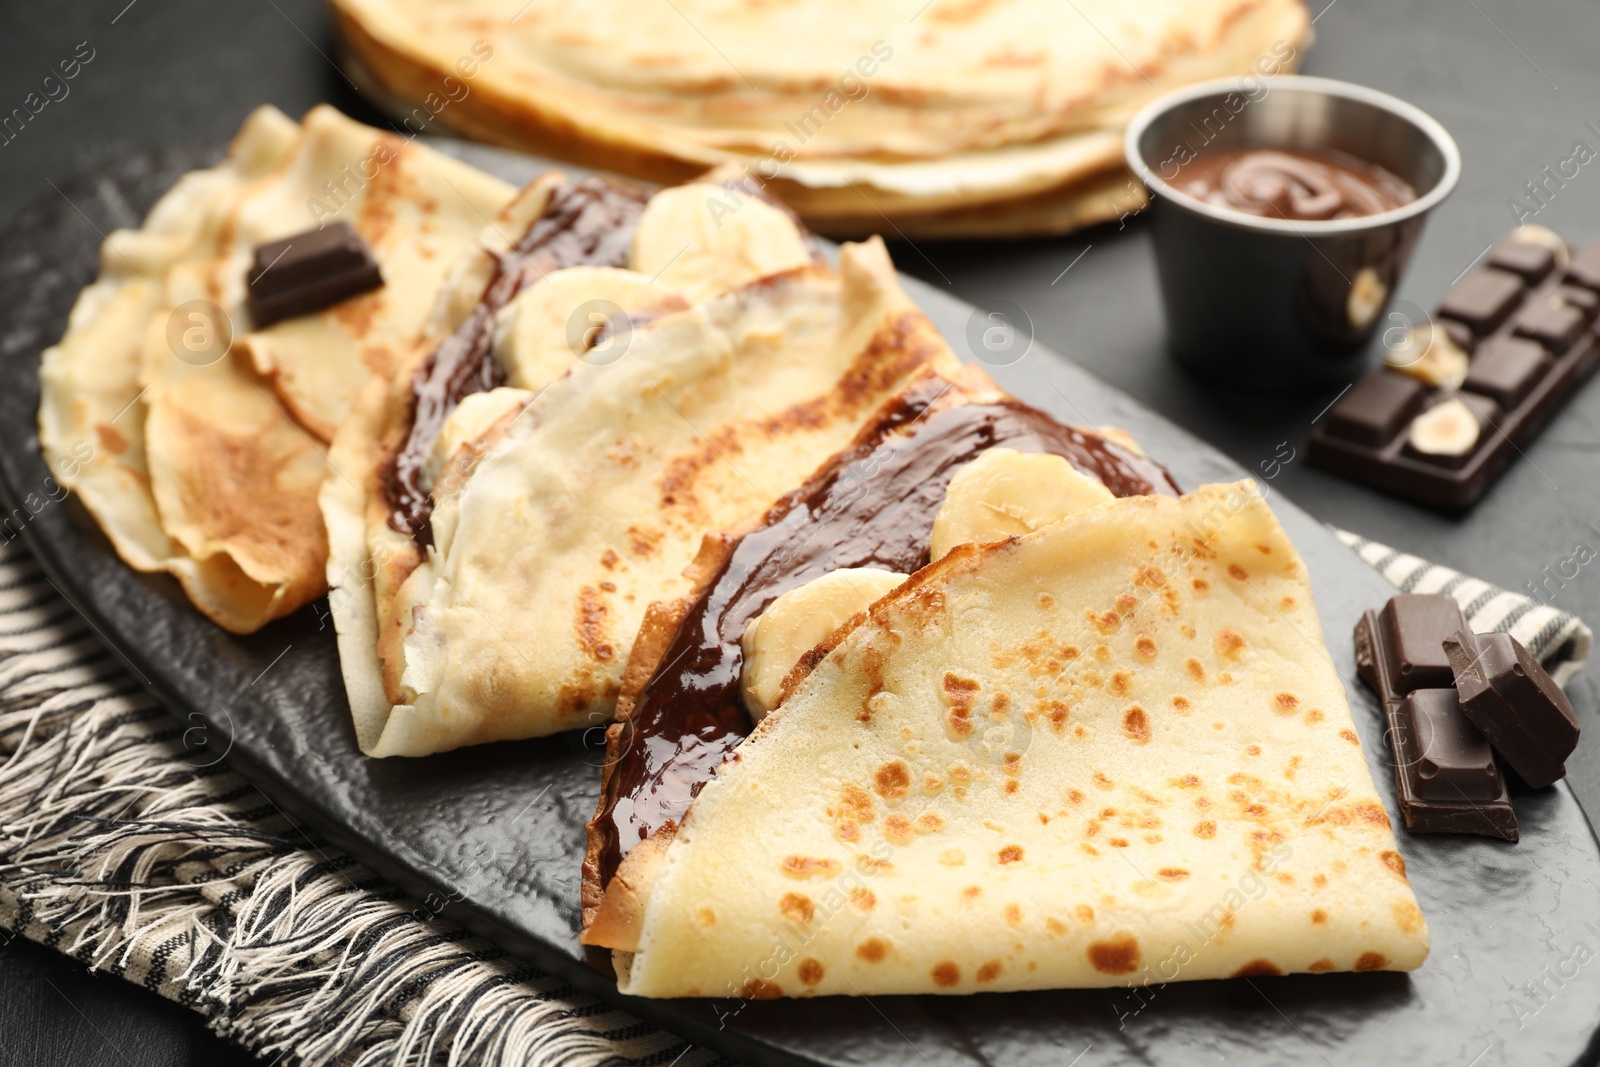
[(1515, 83)]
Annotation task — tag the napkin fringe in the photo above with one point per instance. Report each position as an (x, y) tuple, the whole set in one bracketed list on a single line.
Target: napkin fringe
[(116, 849)]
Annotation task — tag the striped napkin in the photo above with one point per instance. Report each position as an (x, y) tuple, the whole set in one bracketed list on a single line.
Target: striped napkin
[(190, 882)]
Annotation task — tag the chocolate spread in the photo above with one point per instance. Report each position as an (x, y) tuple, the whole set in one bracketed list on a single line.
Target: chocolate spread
[(589, 222), (1294, 184), (873, 505)]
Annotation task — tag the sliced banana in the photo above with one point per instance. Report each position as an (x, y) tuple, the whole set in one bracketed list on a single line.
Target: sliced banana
[(1428, 354), (704, 240), (1004, 493), (1540, 235), (797, 622), (1447, 429), (577, 313), (471, 419)]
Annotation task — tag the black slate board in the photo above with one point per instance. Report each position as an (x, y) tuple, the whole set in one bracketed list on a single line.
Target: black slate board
[(1511, 975)]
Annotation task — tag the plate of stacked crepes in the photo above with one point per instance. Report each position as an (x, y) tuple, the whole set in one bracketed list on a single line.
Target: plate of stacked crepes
[(652, 588)]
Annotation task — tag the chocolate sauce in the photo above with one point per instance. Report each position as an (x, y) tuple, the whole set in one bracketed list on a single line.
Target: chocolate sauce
[(586, 223), (873, 505), (1294, 184)]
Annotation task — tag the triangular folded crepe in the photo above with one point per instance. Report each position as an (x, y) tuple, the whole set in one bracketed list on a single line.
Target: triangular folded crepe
[(1111, 751), (579, 506), (202, 459)]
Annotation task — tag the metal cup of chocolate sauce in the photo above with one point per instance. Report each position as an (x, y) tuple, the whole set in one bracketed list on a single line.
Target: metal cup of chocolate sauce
[(1283, 213)]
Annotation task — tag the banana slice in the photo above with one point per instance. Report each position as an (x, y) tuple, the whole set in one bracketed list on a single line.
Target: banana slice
[(577, 313), (705, 239), (1428, 354), (797, 622), (1450, 428), (1004, 493)]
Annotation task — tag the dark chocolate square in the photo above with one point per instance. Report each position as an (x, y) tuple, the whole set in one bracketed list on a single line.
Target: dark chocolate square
[(1510, 697), (1506, 369), (1483, 299), (1585, 268), (1414, 628), (1450, 758), (1577, 296), (1551, 321), (1532, 261), (310, 271), (1375, 408)]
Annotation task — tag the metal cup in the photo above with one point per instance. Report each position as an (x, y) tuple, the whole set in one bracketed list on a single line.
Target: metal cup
[(1271, 304)]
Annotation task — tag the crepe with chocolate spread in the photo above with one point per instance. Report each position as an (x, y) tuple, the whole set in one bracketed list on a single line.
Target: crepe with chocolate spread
[(194, 442), (1109, 751), (508, 519)]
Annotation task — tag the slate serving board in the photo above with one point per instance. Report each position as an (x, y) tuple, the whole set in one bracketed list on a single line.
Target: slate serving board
[(496, 832)]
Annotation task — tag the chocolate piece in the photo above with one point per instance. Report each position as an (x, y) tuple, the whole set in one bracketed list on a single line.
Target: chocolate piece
[(1375, 408), (1483, 299), (873, 504), (1517, 705), (1533, 348), (1551, 321), (1533, 262), (1445, 775), (1585, 267), (588, 222), (308, 272), (1506, 369)]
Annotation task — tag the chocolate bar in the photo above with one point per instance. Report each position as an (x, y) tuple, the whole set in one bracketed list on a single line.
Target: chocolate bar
[(1521, 710), (1526, 320), (1445, 771), (308, 272)]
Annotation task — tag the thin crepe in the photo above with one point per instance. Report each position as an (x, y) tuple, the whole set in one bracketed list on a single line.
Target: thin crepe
[(584, 504), (966, 104), (1112, 751)]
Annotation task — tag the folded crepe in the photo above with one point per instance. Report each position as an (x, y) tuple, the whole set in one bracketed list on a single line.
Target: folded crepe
[(193, 441), (1109, 751), (891, 112), (490, 567)]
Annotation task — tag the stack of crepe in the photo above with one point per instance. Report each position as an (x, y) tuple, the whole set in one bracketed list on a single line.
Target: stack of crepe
[(949, 118), (910, 687)]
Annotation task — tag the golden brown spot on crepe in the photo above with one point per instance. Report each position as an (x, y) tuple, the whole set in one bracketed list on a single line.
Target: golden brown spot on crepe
[(1367, 811), (1010, 854), (1205, 828), (1075, 796), (1350, 736), (1237, 572), (706, 917), (892, 780), (863, 899), (1106, 622), (971, 892), (856, 803), (1013, 915), (872, 866), (1117, 955), (1200, 585), (1058, 715), (1121, 682), (1371, 961), (643, 541), (1173, 874), (1252, 750), (1101, 653), (946, 974), (1229, 642), (591, 623), (1118, 842), (1070, 652), (1145, 647), (1319, 880), (1407, 916), (1394, 861), (761, 989), (111, 439), (1286, 603), (609, 558), (1313, 716), (960, 693), (1102, 781), (1286, 701), (1011, 787), (810, 971), (897, 829), (1055, 926), (929, 822), (1319, 917), (989, 972), (1136, 724), (1196, 671), (1188, 781), (1224, 678), (1046, 601), (848, 831), (796, 907), (1084, 913), (1256, 969), (809, 867), (1321, 966), (1127, 603)]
